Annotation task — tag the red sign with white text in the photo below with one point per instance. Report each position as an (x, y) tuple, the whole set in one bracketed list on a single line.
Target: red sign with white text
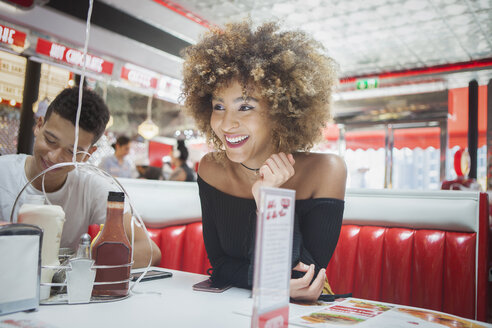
[(73, 56), (141, 77), (278, 318), (11, 36)]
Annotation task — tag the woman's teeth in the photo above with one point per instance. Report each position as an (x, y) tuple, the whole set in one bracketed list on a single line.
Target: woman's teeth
[(236, 140)]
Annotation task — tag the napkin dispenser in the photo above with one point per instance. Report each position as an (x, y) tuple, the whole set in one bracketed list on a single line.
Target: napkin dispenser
[(20, 267)]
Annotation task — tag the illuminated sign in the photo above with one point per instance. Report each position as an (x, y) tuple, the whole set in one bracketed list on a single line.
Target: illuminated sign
[(12, 37), (73, 57), (139, 76), (367, 84), (169, 89)]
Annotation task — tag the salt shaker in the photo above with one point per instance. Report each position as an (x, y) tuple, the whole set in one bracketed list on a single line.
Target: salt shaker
[(84, 247)]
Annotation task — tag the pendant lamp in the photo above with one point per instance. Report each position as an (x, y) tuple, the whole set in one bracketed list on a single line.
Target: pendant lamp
[(148, 129)]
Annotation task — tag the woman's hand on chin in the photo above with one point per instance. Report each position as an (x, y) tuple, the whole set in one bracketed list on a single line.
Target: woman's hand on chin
[(276, 170), (302, 289)]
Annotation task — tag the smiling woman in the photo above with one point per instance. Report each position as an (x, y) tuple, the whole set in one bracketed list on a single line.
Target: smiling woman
[(261, 96)]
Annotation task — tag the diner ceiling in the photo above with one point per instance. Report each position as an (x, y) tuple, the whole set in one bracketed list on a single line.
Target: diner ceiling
[(365, 37)]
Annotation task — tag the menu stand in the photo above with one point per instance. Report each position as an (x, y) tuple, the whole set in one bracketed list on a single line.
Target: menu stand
[(273, 258)]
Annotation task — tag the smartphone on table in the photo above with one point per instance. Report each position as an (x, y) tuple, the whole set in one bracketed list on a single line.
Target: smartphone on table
[(206, 286), (151, 275)]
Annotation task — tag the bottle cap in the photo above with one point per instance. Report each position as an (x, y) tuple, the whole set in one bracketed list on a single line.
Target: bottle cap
[(116, 196), (85, 239)]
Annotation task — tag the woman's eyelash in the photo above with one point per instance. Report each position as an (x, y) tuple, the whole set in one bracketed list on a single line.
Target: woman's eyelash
[(241, 108), (246, 107)]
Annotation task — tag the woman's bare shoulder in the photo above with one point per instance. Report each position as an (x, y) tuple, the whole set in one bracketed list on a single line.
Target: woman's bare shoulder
[(322, 175), (212, 170)]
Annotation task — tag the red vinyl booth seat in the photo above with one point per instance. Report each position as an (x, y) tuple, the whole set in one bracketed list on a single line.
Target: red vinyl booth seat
[(424, 268), (431, 269), (423, 249), (182, 247)]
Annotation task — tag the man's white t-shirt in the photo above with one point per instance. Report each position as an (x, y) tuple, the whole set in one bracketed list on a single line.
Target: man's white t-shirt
[(83, 197)]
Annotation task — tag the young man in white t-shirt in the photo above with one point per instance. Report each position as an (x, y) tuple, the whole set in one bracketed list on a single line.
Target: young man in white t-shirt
[(80, 193)]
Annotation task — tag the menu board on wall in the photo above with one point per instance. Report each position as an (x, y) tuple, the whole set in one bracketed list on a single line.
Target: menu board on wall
[(53, 80), (12, 70)]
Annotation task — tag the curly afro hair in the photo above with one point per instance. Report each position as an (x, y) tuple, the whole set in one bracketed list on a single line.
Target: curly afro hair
[(287, 68)]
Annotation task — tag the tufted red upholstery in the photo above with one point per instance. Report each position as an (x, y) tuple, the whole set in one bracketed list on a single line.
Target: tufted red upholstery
[(433, 269), (182, 247), (424, 268)]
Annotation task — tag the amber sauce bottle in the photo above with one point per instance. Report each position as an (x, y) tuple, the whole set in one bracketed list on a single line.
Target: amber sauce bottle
[(112, 248)]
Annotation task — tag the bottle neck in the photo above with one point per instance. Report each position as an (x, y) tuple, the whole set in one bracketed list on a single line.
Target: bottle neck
[(114, 216)]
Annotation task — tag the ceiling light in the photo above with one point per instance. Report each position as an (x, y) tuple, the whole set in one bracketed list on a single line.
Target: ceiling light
[(148, 129)]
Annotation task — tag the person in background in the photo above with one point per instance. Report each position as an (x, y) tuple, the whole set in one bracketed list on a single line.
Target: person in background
[(179, 156), (118, 164), (145, 171), (81, 194), (261, 96)]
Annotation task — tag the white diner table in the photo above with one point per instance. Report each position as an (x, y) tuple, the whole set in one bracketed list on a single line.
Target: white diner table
[(168, 302)]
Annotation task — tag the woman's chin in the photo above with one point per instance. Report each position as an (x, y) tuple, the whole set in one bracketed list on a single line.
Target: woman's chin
[(234, 157)]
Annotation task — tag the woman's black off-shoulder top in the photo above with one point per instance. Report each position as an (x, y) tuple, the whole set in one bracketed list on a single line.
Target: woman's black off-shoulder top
[(229, 229)]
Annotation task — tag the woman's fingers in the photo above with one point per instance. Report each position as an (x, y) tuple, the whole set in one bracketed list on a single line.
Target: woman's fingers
[(276, 170), (317, 286), (287, 163), (301, 267), (290, 157), (281, 169), (306, 280), (303, 289)]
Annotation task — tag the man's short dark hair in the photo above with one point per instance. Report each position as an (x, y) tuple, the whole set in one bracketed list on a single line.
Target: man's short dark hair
[(94, 115), (122, 140)]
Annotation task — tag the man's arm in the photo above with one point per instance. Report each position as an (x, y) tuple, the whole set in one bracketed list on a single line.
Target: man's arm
[(141, 247)]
